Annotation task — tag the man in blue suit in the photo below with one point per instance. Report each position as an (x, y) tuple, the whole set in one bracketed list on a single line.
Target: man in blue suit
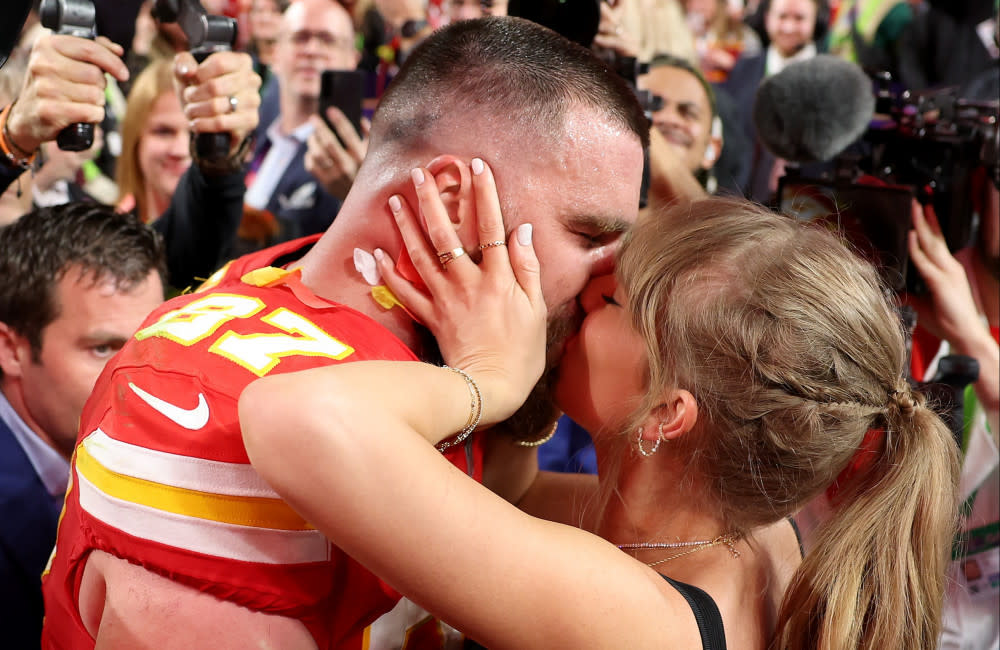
[(76, 281), (316, 35)]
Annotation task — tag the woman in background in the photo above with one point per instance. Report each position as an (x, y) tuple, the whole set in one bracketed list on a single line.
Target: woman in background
[(735, 368), (155, 143)]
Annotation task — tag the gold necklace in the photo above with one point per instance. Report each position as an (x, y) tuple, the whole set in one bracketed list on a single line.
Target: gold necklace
[(541, 441), (728, 539)]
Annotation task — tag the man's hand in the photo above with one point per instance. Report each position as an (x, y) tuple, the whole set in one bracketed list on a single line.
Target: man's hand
[(64, 85), (219, 95), (333, 164)]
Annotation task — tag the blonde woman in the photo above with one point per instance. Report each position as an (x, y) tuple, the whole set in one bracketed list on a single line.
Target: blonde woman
[(732, 370), (155, 143)]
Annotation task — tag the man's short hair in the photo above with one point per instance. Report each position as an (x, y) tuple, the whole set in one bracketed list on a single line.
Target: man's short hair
[(38, 249), (505, 66)]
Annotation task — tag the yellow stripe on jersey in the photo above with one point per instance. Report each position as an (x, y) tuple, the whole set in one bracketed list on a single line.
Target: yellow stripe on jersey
[(257, 512)]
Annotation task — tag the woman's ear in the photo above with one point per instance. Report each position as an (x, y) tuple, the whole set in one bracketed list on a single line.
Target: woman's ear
[(675, 416), (454, 182)]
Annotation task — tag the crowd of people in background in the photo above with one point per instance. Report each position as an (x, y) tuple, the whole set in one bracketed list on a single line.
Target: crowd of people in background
[(93, 241)]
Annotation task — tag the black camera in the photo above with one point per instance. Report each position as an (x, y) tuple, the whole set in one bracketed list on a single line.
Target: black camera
[(73, 18), (928, 146), (206, 34)]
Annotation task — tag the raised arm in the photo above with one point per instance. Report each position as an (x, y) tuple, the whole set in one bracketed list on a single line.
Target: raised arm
[(949, 310), (64, 84), (351, 447), (199, 227)]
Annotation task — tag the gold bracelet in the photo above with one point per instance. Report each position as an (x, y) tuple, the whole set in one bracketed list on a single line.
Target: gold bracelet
[(541, 441), (475, 412)]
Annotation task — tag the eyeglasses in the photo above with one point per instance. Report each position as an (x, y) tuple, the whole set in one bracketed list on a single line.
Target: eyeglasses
[(485, 5), (326, 39)]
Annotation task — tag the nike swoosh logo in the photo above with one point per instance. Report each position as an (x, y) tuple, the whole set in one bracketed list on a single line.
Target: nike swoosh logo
[(191, 419)]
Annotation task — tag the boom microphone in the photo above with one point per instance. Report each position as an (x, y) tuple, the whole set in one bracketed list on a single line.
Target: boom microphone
[(812, 110)]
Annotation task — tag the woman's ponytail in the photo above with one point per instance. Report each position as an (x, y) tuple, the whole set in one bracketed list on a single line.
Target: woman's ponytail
[(870, 582)]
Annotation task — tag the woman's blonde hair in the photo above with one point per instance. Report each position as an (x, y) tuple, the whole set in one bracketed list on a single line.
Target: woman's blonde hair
[(793, 351), (155, 80)]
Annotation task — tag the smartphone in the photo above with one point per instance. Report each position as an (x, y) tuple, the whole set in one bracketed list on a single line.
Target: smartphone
[(343, 89)]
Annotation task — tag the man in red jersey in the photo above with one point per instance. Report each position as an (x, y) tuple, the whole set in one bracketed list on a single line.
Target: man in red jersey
[(169, 537)]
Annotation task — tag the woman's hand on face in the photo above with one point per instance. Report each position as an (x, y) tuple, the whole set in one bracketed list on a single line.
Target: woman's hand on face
[(488, 318)]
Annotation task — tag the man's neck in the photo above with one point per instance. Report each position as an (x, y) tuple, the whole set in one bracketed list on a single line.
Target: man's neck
[(328, 271), (295, 113)]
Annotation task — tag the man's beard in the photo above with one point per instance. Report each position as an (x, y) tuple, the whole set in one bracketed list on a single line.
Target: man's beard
[(539, 411)]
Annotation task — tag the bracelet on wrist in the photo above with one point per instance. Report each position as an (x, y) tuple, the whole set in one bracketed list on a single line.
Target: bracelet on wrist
[(475, 411), (14, 154)]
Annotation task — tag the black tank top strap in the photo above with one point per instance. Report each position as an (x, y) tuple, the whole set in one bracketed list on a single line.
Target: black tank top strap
[(706, 612), (798, 537)]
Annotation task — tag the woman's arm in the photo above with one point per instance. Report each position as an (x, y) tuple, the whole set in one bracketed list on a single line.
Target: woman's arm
[(342, 449), (949, 310), (348, 447)]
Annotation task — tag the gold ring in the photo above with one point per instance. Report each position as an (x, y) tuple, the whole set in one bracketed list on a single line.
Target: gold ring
[(450, 256), (492, 244)]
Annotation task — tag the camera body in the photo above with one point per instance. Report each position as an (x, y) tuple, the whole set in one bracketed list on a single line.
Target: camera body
[(72, 18), (928, 146), (206, 34)]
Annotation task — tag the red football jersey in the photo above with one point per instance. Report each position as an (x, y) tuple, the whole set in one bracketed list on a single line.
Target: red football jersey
[(160, 476)]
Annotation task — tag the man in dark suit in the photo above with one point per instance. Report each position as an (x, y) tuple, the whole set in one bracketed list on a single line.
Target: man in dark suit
[(76, 281), (316, 35)]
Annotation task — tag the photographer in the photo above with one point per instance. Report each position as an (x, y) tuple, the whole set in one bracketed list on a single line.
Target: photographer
[(199, 226), (64, 85)]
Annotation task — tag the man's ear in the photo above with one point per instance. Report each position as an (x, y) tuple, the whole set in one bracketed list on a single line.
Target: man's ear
[(674, 417), (12, 349), (454, 182)]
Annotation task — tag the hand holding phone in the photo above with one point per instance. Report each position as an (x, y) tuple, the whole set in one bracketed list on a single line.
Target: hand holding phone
[(331, 157), (343, 90)]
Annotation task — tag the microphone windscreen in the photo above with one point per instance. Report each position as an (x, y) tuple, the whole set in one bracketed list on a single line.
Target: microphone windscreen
[(812, 110)]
